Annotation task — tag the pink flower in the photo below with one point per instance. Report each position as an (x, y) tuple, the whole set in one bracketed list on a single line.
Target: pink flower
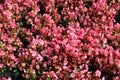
[(57, 47), (23, 64), (98, 73), (9, 78), (12, 57), (8, 14), (37, 67), (55, 59), (65, 61), (2, 53), (103, 78), (1, 25), (39, 57), (27, 76), (66, 68), (1, 66), (3, 78), (72, 75)]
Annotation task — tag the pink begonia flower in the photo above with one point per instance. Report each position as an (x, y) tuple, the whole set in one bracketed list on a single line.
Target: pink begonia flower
[(103, 18), (34, 43), (36, 20), (48, 17), (12, 56), (45, 64), (33, 62), (65, 61), (9, 78), (32, 71), (8, 3), (9, 47), (66, 68), (1, 66), (57, 47), (33, 53), (72, 75), (53, 75), (41, 42), (23, 64), (81, 32), (103, 78), (27, 76), (55, 59), (98, 73), (20, 0), (2, 53), (4, 78), (4, 37), (1, 25), (8, 64), (37, 67), (33, 13), (116, 78), (8, 14)]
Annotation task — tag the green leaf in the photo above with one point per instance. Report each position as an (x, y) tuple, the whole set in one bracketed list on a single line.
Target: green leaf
[(78, 69), (21, 24), (2, 45)]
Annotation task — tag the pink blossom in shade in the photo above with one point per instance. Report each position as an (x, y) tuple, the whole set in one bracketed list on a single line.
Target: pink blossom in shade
[(33, 62), (33, 53), (23, 64), (1, 66), (9, 47), (44, 30), (57, 48), (103, 78), (12, 57), (8, 14), (64, 41), (1, 25), (55, 59), (36, 20), (9, 78), (48, 17), (27, 76), (37, 67), (116, 78), (65, 61), (39, 57), (2, 53), (3, 78), (117, 53), (23, 75), (66, 68), (32, 71), (98, 73), (53, 75), (33, 13), (48, 7), (41, 42), (45, 64), (10, 41), (58, 67), (103, 18), (72, 75), (72, 15), (4, 37)]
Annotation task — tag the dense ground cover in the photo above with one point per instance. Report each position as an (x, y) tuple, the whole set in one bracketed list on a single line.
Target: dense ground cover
[(60, 39)]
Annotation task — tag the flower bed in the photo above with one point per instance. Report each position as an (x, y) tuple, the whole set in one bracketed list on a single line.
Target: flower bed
[(60, 39)]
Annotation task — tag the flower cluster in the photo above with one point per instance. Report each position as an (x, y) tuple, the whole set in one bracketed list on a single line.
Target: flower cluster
[(60, 39)]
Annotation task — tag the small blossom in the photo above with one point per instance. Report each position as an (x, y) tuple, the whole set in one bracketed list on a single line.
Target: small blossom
[(98, 73)]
